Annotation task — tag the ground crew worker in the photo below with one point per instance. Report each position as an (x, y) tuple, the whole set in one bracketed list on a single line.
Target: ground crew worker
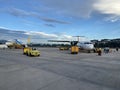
[(99, 51), (117, 49)]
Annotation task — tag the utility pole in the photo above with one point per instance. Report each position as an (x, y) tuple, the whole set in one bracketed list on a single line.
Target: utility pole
[(78, 37)]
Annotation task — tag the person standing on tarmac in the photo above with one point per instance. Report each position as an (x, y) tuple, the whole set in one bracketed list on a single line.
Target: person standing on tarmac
[(99, 51), (117, 49)]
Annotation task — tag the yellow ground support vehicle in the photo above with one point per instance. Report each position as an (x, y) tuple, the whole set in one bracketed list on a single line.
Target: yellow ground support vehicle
[(74, 50), (63, 48), (26, 49), (31, 51)]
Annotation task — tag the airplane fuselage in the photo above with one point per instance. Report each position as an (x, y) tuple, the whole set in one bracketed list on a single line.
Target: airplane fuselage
[(86, 45), (3, 46)]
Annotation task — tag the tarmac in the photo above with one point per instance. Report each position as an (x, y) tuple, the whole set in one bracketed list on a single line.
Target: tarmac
[(59, 70)]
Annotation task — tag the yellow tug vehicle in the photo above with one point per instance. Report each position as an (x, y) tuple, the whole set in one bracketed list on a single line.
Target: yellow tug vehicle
[(74, 50), (63, 48), (31, 51)]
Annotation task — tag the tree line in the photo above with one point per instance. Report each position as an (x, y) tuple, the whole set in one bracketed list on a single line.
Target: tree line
[(114, 43)]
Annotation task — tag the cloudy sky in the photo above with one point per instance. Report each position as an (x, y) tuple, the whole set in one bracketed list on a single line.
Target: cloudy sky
[(60, 19)]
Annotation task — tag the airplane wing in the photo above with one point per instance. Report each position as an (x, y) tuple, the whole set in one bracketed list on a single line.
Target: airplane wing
[(57, 41), (73, 43)]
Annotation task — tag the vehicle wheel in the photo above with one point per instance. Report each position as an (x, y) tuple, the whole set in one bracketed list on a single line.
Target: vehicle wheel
[(89, 51), (30, 54), (27, 54)]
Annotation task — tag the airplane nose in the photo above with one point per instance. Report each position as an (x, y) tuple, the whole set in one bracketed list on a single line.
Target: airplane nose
[(90, 46)]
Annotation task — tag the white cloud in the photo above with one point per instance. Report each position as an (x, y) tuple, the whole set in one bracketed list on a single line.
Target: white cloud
[(35, 36), (41, 9), (41, 34), (2, 27), (43, 37), (110, 8)]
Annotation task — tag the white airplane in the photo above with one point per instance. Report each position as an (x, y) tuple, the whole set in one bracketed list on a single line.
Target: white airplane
[(6, 44), (3, 46), (86, 45), (83, 45), (9, 44)]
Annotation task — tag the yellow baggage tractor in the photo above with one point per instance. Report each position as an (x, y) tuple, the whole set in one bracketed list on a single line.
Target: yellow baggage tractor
[(74, 50), (63, 48), (31, 51), (25, 50)]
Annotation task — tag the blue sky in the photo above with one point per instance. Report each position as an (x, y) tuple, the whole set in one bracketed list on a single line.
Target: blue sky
[(94, 19)]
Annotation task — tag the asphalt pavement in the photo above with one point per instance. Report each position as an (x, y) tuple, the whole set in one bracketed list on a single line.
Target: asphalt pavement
[(59, 70)]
